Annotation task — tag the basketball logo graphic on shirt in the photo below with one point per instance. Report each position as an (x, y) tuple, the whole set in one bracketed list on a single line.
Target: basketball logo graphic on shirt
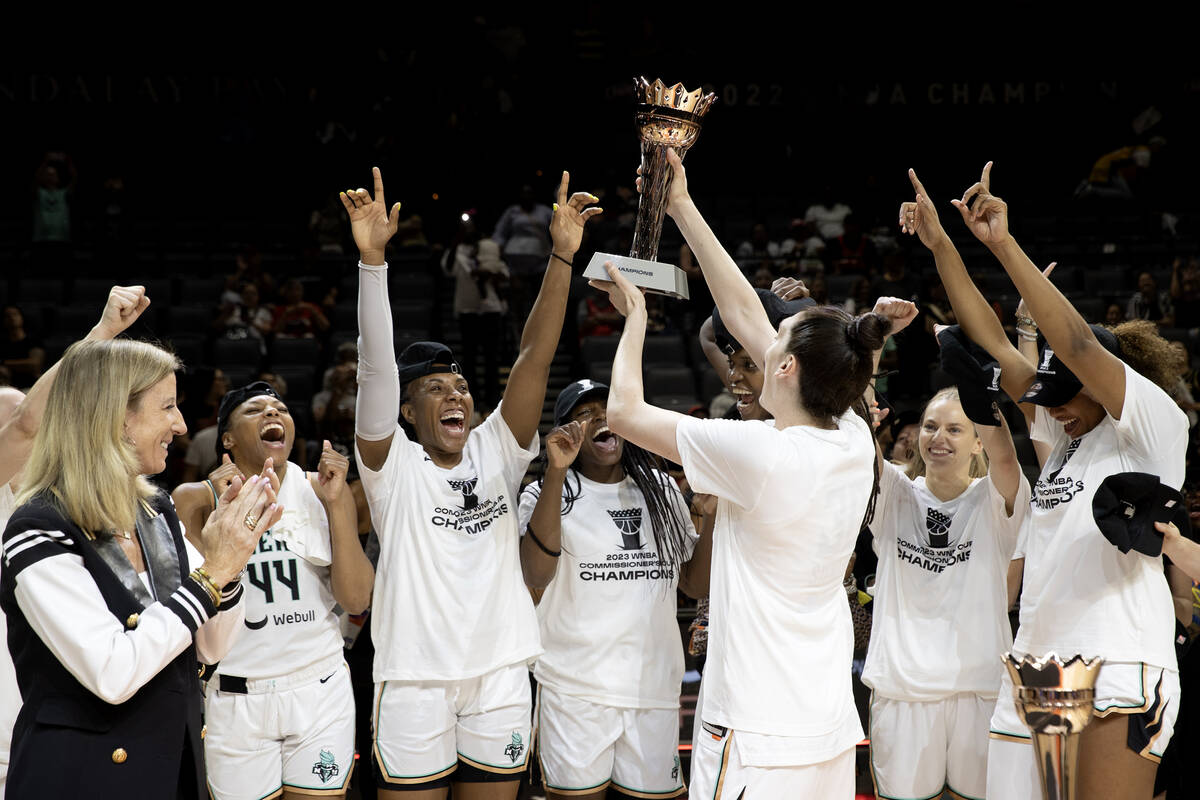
[(629, 523), (1052, 490), (467, 487), (1047, 354), (938, 525), (327, 767), (515, 748), (995, 387)]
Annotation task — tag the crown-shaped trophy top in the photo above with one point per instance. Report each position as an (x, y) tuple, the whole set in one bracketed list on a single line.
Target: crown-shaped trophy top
[(1051, 672), (676, 97)]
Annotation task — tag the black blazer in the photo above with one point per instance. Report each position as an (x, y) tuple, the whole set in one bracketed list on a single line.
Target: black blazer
[(67, 742)]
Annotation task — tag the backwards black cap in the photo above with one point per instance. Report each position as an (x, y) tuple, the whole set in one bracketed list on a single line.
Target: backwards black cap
[(573, 395), (424, 358), (1055, 384), (235, 398), (1126, 506), (975, 373), (777, 311)]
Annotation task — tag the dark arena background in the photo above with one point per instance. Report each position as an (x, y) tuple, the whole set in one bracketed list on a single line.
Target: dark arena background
[(200, 170)]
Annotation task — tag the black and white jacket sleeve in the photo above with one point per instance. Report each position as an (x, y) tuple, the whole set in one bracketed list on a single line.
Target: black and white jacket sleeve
[(64, 606)]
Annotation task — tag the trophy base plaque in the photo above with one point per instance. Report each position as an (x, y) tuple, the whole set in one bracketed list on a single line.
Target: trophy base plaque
[(653, 276)]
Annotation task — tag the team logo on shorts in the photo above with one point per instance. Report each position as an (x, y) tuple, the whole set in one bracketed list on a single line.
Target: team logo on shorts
[(938, 525), (326, 768), (629, 522), (514, 750), (467, 488)]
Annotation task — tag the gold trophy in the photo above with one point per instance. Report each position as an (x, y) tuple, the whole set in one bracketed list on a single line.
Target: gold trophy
[(667, 117), (1054, 699)]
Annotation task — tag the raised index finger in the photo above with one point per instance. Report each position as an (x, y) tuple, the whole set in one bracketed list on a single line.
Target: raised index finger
[(562, 189), (986, 180), (378, 185), (916, 182)]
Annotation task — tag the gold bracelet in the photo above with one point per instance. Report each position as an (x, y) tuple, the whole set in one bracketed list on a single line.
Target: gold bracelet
[(201, 576)]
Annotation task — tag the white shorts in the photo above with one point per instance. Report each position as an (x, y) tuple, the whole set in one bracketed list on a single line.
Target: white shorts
[(423, 728), (719, 772), (292, 732), (584, 746), (1148, 694), (918, 749)]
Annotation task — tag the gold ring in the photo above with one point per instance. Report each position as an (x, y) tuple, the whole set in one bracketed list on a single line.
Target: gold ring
[(251, 521)]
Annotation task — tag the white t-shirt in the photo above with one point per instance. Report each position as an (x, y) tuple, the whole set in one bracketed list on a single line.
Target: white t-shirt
[(607, 619), (289, 596), (449, 600), (10, 693), (1081, 594), (940, 624), (780, 638)]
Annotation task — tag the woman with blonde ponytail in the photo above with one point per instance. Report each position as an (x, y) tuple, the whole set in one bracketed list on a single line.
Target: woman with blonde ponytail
[(109, 611)]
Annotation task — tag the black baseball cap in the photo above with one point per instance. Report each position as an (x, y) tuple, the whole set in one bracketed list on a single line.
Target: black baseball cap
[(976, 374), (573, 395), (1126, 506), (424, 358), (777, 311), (1055, 385), (235, 398)]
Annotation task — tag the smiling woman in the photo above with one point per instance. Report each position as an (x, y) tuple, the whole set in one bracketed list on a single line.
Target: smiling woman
[(289, 661), (107, 610)]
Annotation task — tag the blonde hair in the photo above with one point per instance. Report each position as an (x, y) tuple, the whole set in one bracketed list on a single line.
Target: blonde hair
[(81, 456), (978, 466)]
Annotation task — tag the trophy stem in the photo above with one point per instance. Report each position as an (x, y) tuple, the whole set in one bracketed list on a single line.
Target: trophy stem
[(652, 206), (1057, 757)]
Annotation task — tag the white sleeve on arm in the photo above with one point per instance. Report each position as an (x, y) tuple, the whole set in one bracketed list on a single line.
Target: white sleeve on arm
[(1154, 429), (215, 638), (62, 604), (378, 404)]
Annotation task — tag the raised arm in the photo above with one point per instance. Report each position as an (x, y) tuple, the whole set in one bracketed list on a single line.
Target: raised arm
[(741, 310), (1102, 373), (350, 572), (526, 389), (972, 310), (629, 415), (378, 402), (541, 545), (125, 304), (1027, 346)]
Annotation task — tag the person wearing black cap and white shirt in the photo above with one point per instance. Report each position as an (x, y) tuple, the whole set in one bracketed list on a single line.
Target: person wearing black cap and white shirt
[(1098, 399), (453, 623), (944, 532), (608, 536), (779, 715), (279, 707)]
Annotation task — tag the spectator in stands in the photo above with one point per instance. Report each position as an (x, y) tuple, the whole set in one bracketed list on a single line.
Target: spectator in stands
[(1185, 293), (896, 281), (328, 227), (1149, 303), (246, 318), (906, 428), (1181, 390), (1113, 315), (1115, 175), (333, 406), (853, 251), (758, 246), (53, 188), (295, 317), (347, 353), (203, 395), (523, 234), (803, 246), (818, 290), (763, 277), (828, 215), (20, 352), (410, 234), (480, 279), (248, 266), (597, 317), (859, 301)]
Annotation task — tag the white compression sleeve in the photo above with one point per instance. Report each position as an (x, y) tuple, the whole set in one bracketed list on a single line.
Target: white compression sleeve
[(378, 403)]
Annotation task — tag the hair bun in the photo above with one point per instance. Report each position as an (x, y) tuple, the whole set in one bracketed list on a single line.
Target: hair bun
[(868, 331)]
